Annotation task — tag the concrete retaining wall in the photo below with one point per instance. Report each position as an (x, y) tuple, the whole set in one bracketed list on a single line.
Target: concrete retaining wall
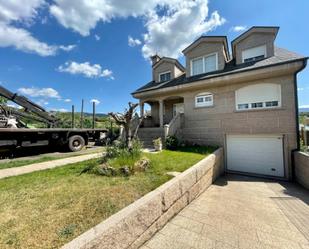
[(301, 161), (138, 222)]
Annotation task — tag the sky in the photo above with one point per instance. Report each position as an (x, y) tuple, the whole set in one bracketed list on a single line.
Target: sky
[(58, 52)]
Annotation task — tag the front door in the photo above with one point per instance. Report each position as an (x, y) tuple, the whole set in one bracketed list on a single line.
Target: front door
[(178, 108)]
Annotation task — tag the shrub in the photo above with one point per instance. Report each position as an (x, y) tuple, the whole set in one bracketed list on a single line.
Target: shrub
[(171, 142), (117, 159)]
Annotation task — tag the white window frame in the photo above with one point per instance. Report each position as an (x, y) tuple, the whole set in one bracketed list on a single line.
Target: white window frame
[(203, 57), (204, 103), (242, 52), (263, 107), (165, 73)]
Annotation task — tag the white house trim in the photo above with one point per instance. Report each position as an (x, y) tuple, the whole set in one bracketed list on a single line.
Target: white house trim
[(258, 96), (164, 73), (203, 57), (254, 52)]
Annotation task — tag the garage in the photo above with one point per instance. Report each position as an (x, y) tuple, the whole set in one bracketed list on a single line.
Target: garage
[(255, 154)]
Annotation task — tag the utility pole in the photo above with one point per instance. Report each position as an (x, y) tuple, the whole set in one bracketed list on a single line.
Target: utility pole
[(73, 116), (82, 115), (93, 115)]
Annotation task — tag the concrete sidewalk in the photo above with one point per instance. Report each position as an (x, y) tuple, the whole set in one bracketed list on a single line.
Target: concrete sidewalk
[(46, 165), (240, 212)]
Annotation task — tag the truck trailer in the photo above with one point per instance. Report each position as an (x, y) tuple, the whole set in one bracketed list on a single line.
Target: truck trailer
[(15, 134)]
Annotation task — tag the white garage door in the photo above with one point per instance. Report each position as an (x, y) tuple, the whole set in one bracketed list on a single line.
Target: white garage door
[(255, 154)]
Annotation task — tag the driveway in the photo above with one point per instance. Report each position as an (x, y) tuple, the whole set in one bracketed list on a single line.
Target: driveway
[(240, 212)]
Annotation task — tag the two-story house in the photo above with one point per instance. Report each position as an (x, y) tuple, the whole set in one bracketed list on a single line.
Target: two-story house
[(245, 101)]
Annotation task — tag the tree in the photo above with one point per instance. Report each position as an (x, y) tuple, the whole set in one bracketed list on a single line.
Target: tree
[(126, 121), (3, 100)]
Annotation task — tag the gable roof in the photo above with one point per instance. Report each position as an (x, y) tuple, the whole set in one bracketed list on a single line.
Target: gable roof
[(169, 59), (281, 56), (220, 39), (254, 29)]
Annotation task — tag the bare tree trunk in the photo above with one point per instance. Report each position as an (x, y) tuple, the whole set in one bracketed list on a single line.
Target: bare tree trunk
[(125, 120)]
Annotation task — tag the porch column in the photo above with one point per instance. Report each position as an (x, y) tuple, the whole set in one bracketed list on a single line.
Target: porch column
[(161, 112), (141, 106)]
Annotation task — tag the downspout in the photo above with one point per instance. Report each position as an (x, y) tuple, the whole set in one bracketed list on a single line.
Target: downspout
[(296, 117)]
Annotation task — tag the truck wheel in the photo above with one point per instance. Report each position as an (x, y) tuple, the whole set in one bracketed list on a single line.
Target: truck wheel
[(76, 143)]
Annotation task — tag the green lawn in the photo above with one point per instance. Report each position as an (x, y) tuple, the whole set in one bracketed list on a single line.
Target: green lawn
[(38, 159), (48, 208)]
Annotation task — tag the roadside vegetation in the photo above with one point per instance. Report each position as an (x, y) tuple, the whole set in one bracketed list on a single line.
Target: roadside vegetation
[(48, 208)]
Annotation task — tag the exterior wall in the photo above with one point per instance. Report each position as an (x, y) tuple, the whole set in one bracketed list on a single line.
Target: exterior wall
[(255, 40), (209, 125), (168, 109), (132, 226), (164, 67), (178, 72), (301, 162), (155, 113), (206, 48)]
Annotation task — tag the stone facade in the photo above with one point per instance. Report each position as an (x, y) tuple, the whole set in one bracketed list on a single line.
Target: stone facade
[(163, 67), (210, 125), (206, 48), (255, 40)]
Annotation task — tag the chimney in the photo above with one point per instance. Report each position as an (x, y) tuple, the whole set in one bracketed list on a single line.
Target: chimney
[(155, 59)]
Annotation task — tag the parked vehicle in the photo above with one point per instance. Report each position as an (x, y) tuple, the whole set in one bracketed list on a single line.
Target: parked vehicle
[(15, 134)]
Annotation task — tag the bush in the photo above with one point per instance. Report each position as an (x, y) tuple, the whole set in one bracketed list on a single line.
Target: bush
[(171, 142), (118, 159)]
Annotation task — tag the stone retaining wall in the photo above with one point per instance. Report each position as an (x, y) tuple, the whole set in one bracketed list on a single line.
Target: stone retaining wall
[(135, 224), (301, 161)]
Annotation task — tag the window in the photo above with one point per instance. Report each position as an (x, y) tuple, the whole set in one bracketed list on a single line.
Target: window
[(204, 64), (254, 54), (260, 96), (204, 99), (197, 66), (165, 76)]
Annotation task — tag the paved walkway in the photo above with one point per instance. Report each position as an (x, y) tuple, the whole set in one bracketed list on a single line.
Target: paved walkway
[(45, 165), (240, 212)]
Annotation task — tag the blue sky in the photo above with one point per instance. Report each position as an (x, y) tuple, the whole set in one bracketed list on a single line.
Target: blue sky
[(59, 52)]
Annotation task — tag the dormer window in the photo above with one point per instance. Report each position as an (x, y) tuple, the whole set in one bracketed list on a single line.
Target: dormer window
[(204, 64), (166, 76), (254, 54)]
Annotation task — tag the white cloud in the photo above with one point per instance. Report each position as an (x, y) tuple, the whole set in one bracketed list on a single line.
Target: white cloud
[(22, 40), (86, 69), (17, 12), (133, 42), (238, 28), (59, 110), (303, 106), (97, 37), (171, 24), (67, 48), (42, 102), (95, 101), (39, 92), (67, 100), (168, 35), (300, 89)]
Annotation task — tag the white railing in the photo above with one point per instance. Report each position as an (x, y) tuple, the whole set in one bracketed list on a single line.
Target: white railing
[(175, 124)]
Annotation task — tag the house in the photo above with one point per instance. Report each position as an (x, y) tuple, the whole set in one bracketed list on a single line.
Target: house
[(244, 101)]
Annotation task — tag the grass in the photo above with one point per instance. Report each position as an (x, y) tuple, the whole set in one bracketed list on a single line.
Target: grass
[(12, 163), (48, 208)]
